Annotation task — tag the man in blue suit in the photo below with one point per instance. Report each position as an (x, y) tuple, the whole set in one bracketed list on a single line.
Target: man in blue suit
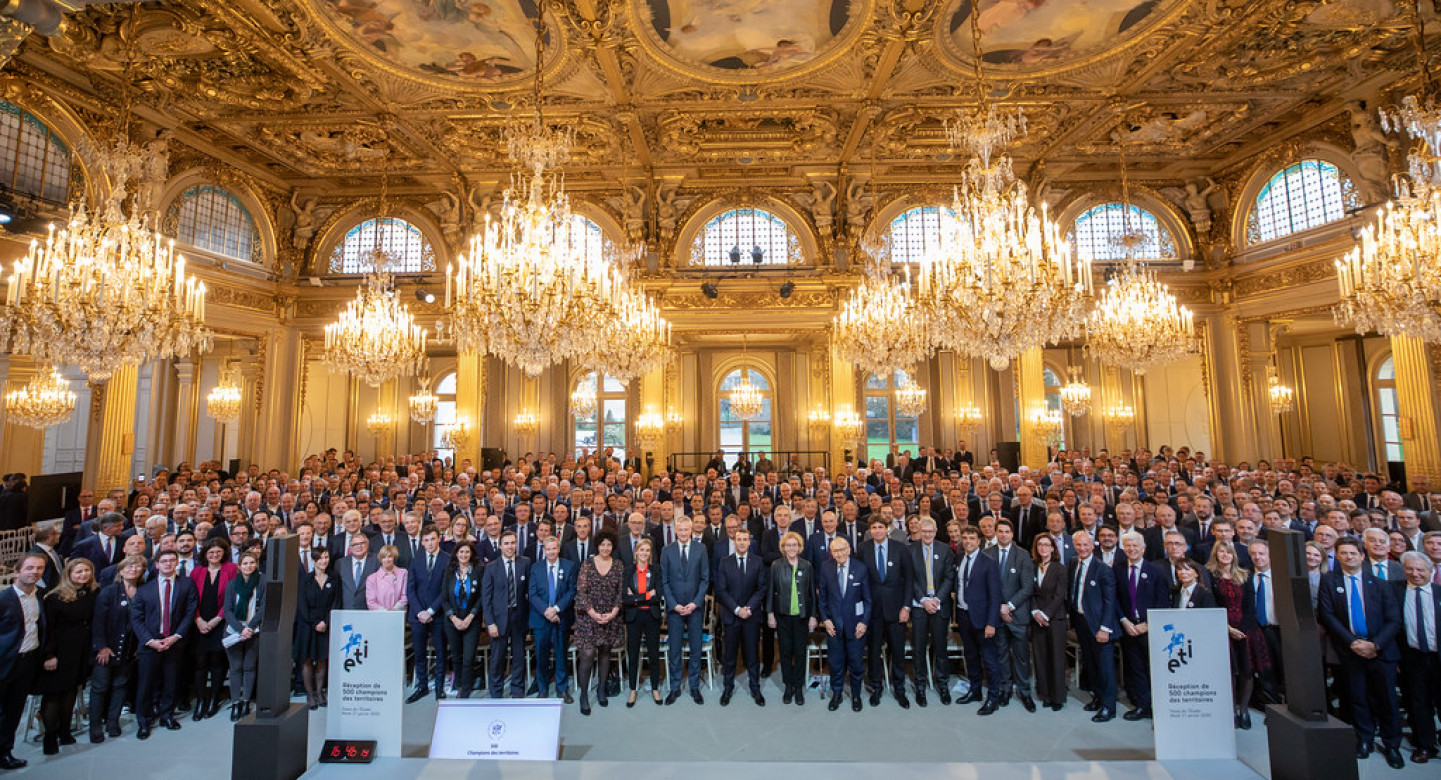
[(104, 549), (160, 617), (845, 607), (978, 614), (740, 586), (423, 586), (22, 635), (1140, 587), (552, 596), (685, 578), (1092, 604), (1363, 620), (503, 589)]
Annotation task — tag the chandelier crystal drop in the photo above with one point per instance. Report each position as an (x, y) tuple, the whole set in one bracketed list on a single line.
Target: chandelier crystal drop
[(423, 404), (376, 338), (44, 401), (878, 327), (583, 399), (636, 341), (1137, 323), (223, 402), (910, 399), (1076, 395)]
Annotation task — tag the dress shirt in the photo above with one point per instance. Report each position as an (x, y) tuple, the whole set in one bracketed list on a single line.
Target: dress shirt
[(30, 605), (1080, 584), (1186, 596), (1265, 594), (962, 580), (1425, 623)]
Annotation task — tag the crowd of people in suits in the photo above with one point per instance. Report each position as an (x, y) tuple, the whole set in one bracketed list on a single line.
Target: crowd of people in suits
[(154, 597)]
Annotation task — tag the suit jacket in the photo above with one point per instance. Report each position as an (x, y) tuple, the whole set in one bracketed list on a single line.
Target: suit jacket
[(1066, 548), (943, 574), (486, 550), (1018, 581), (818, 550), (684, 584), (1394, 572), (1403, 639), (145, 611), (778, 592), (1155, 541), (566, 576), (1152, 591), (1052, 592), (889, 597), (70, 529), (51, 577), (422, 588), (633, 599), (625, 549), (1201, 598), (12, 627), (1382, 613), (93, 550), (1097, 601), (734, 590), (111, 624), (849, 606), (398, 538), (570, 550), (495, 593), (461, 604), (982, 589), (1029, 523), (352, 592)]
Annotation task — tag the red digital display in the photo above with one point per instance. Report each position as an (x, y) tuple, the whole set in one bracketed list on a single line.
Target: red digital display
[(347, 751)]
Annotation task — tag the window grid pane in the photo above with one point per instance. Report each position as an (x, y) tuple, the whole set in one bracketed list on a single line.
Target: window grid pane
[(1096, 233), (1302, 196), (34, 161), (916, 233), (744, 231), (402, 242), (213, 219)]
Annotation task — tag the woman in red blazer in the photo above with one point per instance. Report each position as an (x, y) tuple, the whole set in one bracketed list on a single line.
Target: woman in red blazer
[(205, 641)]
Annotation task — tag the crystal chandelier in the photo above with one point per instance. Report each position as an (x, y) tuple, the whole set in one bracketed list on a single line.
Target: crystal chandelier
[(423, 404), (455, 435), (650, 430), (1005, 279), (636, 341), (1076, 395), (583, 398), (44, 401), (223, 402), (746, 399), (379, 423), (849, 426), (878, 327), (969, 418), (1047, 425), (376, 338), (910, 398), (1419, 116), (819, 418), (526, 423), (1281, 396)]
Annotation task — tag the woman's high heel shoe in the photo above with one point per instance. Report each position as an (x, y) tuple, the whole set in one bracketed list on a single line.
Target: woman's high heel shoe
[(630, 700), (584, 705), (656, 695)]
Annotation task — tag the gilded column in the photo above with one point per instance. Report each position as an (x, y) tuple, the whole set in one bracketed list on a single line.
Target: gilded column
[(470, 404), (187, 410), (117, 432), (1031, 384), (1415, 396), (21, 447)]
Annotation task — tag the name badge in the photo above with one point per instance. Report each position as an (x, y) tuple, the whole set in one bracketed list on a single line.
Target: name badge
[(860, 609)]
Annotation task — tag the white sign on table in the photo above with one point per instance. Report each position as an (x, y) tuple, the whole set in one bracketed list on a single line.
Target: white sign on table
[(1191, 684), (497, 729), (367, 678)]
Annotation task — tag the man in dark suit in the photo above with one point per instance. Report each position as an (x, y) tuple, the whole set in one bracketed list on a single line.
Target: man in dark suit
[(889, 563), (22, 635), (81, 514), (103, 549), (46, 541), (1156, 534), (354, 569), (580, 547), (818, 546), (503, 589), (1420, 663), (1028, 518), (525, 531), (845, 607), (552, 599), (1013, 648), (1141, 587), (685, 578), (160, 617), (1092, 604), (387, 532), (1363, 620), (631, 536), (978, 613), (933, 567), (740, 587), (423, 586), (1378, 556)]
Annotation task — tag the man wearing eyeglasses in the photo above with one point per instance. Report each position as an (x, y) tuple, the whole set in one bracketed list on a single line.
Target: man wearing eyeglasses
[(355, 569)]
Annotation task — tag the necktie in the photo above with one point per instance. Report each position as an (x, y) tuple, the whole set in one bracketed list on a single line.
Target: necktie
[(429, 564), (1357, 609), (108, 555), (1003, 559), (1381, 570), (683, 556), (415, 550), (743, 565), (841, 579), (1423, 642), (552, 584), (1076, 586), (668, 537), (1132, 583), (795, 590), (1262, 616), (881, 561), (359, 564), (930, 578), (510, 584), (581, 547), (165, 609), (966, 581)]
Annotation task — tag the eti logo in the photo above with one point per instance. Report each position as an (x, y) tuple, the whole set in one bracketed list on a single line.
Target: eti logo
[(356, 649), (496, 731), (1178, 649)]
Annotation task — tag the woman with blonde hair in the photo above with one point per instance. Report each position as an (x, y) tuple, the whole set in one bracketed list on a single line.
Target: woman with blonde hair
[(385, 589), (790, 604), (69, 609), (1235, 591)]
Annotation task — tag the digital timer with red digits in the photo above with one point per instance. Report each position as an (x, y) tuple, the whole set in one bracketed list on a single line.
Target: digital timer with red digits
[(347, 751)]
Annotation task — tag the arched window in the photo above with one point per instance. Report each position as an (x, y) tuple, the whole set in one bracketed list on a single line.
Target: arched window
[(212, 219), (33, 160), (1116, 231), (1302, 196), (746, 236), (749, 436), (589, 238), (444, 391), (402, 242), (605, 427), (885, 424), (917, 232), (1053, 402), (1387, 409)]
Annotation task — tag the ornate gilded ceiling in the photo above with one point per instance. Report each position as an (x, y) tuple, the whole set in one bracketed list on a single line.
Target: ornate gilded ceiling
[(837, 104)]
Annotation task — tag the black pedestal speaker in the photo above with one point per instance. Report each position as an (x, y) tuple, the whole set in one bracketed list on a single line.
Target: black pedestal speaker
[(1009, 454), (491, 458), (271, 742)]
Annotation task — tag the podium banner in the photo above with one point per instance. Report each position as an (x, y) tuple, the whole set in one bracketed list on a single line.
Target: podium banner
[(1191, 684), (367, 678), (497, 729)]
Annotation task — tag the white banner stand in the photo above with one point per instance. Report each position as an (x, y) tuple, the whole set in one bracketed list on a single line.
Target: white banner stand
[(497, 729), (1191, 684), (367, 678)]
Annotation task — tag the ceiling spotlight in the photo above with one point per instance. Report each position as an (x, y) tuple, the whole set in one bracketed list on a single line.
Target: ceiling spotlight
[(425, 296), (5, 218), (710, 290), (787, 289)]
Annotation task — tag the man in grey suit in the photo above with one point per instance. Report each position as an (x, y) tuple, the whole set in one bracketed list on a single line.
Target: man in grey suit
[(1018, 582), (355, 569), (685, 578)]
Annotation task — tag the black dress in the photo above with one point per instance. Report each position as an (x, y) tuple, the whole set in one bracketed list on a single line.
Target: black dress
[(67, 639), (314, 606), (208, 609)]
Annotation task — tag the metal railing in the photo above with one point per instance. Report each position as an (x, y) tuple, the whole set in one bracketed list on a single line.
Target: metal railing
[(695, 462)]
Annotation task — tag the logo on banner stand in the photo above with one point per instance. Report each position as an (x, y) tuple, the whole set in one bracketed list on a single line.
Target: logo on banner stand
[(1178, 649), (356, 648)]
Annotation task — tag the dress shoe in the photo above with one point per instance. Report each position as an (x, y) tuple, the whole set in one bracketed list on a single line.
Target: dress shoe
[(902, 700), (1363, 750), (1005, 698), (97, 738), (672, 697), (1245, 723), (1092, 705), (726, 698), (52, 745), (855, 703), (630, 700), (970, 698), (1422, 756), (602, 701), (788, 697), (9, 761), (945, 697), (920, 698), (655, 695), (66, 738), (312, 702), (235, 710), (1104, 714), (439, 692), (876, 699), (1056, 707), (113, 730), (1137, 713), (569, 699), (170, 724), (759, 699), (989, 708), (835, 703), (1027, 701), (801, 697), (1393, 758), (144, 732), (696, 697)]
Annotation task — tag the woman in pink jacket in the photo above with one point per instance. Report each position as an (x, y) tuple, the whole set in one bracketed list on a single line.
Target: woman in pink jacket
[(385, 589)]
